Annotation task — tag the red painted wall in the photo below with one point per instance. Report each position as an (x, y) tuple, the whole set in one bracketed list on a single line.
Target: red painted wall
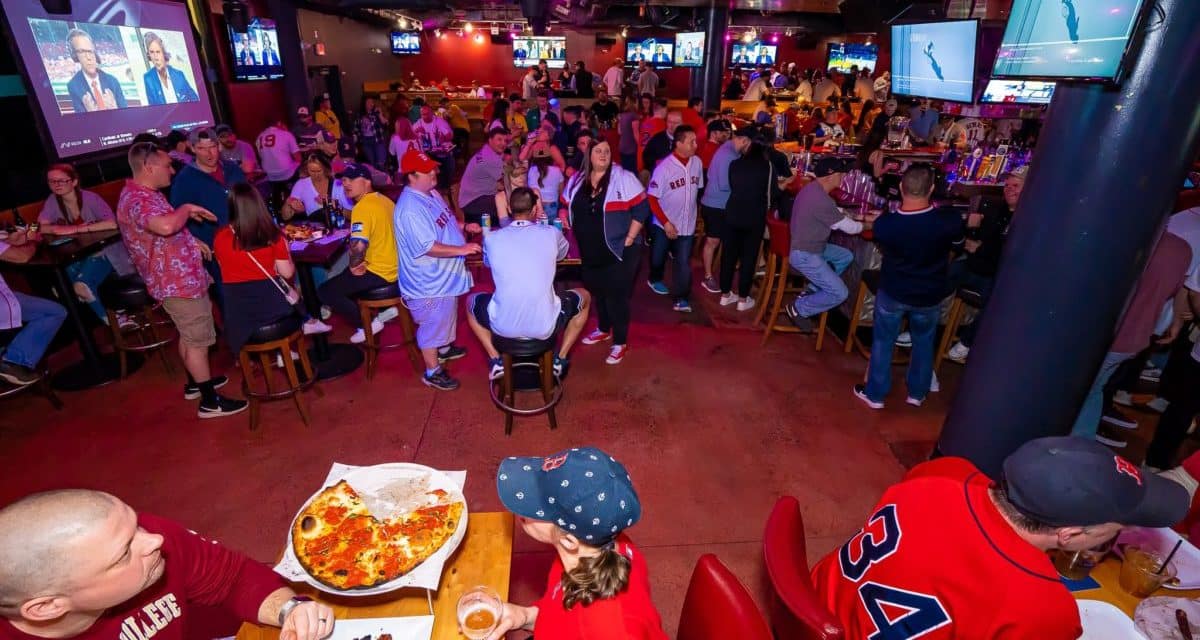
[(254, 105)]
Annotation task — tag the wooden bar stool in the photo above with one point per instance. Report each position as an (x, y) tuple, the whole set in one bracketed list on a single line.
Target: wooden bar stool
[(520, 358), (277, 340), (963, 298), (868, 284), (374, 300), (775, 286), (129, 293)]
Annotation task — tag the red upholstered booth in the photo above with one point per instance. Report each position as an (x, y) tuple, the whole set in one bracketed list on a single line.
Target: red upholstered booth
[(717, 606), (796, 613)]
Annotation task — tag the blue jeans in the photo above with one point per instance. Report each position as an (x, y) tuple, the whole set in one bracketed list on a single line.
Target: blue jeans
[(826, 289), (838, 257), (42, 319), (376, 152), (922, 324), (1088, 420), (91, 271), (681, 248), (551, 209)]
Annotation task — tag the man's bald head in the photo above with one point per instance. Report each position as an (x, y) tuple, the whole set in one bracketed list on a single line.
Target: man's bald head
[(38, 536)]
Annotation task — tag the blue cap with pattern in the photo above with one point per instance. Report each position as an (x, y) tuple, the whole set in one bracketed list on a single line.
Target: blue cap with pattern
[(585, 491)]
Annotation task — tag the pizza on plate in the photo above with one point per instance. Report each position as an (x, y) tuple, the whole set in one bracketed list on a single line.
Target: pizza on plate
[(341, 544)]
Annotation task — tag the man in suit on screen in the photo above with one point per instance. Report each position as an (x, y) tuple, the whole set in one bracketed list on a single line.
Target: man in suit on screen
[(164, 84), (91, 89)]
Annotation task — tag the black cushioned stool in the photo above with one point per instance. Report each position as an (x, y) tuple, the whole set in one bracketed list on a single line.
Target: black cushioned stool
[(521, 358), (129, 294), (369, 302), (963, 298), (278, 339)]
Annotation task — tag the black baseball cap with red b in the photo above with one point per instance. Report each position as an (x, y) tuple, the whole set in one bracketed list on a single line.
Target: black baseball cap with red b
[(1072, 481)]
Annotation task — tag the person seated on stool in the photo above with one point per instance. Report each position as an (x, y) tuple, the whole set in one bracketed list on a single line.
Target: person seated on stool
[(523, 257), (82, 564), (433, 267), (372, 251), (41, 318)]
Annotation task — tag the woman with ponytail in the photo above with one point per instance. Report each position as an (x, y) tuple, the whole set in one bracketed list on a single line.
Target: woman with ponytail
[(580, 502)]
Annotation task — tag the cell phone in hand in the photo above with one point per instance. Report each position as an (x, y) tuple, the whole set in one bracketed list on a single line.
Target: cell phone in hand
[(58, 242)]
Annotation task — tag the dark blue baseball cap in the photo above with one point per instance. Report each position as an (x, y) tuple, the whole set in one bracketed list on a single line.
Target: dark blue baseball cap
[(1073, 481), (585, 491), (353, 170)]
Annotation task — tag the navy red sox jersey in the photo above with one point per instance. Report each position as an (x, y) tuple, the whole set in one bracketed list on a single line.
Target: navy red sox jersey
[(936, 560), (675, 186)]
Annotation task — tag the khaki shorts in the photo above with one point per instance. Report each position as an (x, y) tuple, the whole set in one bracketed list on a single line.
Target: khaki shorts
[(193, 319)]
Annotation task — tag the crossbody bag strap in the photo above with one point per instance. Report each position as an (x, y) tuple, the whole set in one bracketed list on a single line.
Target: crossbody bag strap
[(266, 273)]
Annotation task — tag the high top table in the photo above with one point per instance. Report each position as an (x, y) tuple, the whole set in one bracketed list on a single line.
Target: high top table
[(330, 360)]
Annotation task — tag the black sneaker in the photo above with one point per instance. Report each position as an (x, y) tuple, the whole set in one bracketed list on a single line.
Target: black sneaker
[(191, 390), (222, 407), (18, 375), (805, 325), (440, 380), (452, 352), (561, 365)]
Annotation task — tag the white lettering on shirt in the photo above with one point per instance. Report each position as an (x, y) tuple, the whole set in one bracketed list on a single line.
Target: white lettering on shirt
[(153, 617)]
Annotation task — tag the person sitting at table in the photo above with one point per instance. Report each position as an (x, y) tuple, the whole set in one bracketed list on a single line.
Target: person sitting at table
[(546, 180), (516, 175), (37, 319), (77, 563), (814, 216), (70, 210), (829, 130), (542, 139), (314, 192), (580, 502), (916, 242), (372, 252), (252, 253), (306, 130), (171, 262), (477, 189), (432, 265), (948, 548), (523, 257), (340, 155), (236, 151)]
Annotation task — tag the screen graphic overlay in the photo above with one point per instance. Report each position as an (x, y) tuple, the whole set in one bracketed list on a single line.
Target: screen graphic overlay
[(934, 60), (657, 52), (528, 51), (1066, 38), (751, 54), (689, 49), (1018, 92), (844, 55), (406, 42), (256, 52)]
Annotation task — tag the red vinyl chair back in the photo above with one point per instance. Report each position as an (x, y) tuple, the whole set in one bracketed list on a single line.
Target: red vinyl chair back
[(797, 612), (781, 237), (717, 606)]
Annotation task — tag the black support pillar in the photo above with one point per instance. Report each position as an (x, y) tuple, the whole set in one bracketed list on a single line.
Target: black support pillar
[(1106, 170), (706, 80), (291, 54)]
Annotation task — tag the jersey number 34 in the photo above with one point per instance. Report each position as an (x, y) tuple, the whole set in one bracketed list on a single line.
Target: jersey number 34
[(898, 614)]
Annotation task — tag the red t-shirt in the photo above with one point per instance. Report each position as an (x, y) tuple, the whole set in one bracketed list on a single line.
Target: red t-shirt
[(706, 151), (630, 615), (936, 560), (199, 574), (693, 119), (236, 265)]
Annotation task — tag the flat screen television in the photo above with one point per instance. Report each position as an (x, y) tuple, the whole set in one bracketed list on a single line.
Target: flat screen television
[(658, 52), (1015, 91), (935, 60), (689, 49), (406, 42), (844, 55), (527, 51), (1078, 39), (256, 51), (751, 54), (100, 76)]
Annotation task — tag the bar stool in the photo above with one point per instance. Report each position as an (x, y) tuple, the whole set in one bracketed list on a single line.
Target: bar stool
[(519, 356), (868, 284), (129, 294), (373, 300), (277, 340), (963, 298), (775, 285)]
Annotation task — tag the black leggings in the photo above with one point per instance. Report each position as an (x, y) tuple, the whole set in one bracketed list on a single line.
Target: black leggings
[(338, 292), (1180, 389), (740, 245), (611, 287)]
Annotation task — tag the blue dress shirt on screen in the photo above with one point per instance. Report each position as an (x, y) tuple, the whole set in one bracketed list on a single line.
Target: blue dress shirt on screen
[(78, 87), (154, 89)]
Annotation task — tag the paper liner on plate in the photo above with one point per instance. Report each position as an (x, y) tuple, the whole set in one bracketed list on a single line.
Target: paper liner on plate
[(1155, 617), (406, 628), (1161, 541), (1103, 621), (366, 481)]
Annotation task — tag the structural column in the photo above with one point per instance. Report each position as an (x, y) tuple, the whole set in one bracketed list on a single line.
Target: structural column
[(291, 54), (1106, 170), (706, 80)]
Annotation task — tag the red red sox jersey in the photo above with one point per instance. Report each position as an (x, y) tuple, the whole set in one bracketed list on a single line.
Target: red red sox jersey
[(936, 560), (674, 188)]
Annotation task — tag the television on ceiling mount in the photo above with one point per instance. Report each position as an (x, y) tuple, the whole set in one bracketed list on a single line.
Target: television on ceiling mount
[(657, 52), (752, 54), (256, 51), (689, 49), (406, 43), (935, 59), (1015, 91), (1068, 39), (528, 50), (844, 55)]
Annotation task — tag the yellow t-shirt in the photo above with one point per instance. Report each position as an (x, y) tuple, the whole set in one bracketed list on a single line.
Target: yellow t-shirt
[(458, 119), (371, 221), (329, 120)]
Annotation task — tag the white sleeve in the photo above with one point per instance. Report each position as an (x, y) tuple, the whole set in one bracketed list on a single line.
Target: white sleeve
[(846, 225), (657, 181)]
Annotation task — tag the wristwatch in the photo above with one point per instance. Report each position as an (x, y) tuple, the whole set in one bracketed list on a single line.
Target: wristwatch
[(287, 607)]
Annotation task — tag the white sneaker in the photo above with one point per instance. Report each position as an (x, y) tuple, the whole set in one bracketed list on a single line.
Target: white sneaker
[(904, 339), (958, 352), (745, 304), (124, 322), (934, 385), (1158, 405), (360, 336), (728, 299), (316, 326), (279, 359), (913, 401), (326, 312), (84, 292), (1122, 398), (388, 314)]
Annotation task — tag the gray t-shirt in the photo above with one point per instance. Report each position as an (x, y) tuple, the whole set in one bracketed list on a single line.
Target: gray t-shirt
[(813, 214), (483, 171)]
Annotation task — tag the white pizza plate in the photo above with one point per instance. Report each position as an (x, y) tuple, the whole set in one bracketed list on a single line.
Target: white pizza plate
[(406, 628), (1155, 617), (368, 482), (1161, 541), (1103, 621)]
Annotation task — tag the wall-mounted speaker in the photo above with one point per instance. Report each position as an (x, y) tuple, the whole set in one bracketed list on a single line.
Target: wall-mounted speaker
[(605, 41), (236, 15)]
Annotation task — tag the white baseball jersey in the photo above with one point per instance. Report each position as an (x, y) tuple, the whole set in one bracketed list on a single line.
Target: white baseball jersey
[(276, 148), (676, 186)]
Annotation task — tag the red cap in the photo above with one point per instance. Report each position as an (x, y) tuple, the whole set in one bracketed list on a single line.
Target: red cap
[(415, 161)]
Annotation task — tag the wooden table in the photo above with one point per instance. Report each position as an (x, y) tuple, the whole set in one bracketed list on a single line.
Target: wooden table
[(1110, 591), (330, 360), (483, 558)]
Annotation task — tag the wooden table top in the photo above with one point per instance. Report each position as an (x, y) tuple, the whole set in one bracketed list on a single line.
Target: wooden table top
[(1107, 574), (81, 245), (319, 252), (483, 558)]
